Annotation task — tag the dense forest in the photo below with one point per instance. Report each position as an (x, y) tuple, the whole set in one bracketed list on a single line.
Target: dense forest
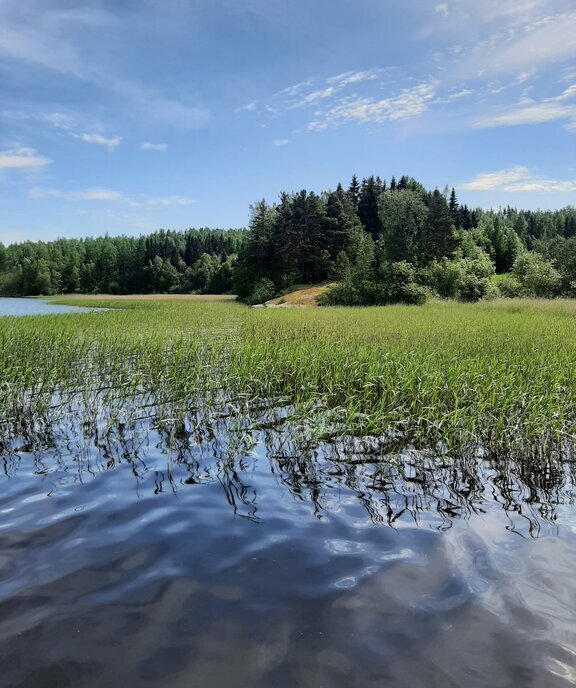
[(374, 242), (195, 260), (381, 243)]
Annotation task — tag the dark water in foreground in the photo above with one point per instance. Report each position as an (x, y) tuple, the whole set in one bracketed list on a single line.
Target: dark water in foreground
[(128, 564), (12, 306)]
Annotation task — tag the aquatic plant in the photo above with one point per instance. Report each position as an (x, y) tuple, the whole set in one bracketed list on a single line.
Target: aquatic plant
[(495, 378)]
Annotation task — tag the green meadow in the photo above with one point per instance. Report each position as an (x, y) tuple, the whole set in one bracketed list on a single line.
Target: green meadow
[(489, 378)]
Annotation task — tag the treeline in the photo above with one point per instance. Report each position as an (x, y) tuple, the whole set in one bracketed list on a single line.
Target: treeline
[(375, 242), (382, 243), (192, 261)]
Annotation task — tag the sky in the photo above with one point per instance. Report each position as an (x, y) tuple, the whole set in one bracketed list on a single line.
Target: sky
[(124, 116)]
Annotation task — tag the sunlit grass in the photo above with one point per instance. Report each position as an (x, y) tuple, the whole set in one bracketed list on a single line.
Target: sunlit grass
[(498, 376)]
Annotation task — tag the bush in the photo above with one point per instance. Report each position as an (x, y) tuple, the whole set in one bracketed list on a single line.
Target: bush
[(475, 283), (413, 294), (443, 277), (472, 288), (510, 287), (264, 290), (396, 284), (537, 275)]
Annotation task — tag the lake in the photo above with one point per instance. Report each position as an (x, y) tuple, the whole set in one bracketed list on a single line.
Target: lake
[(150, 557), (17, 306), (211, 495)]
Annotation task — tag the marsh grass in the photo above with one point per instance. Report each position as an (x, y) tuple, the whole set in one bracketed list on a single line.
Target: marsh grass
[(490, 379)]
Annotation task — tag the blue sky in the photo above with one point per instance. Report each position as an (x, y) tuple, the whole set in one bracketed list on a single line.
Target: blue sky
[(123, 116)]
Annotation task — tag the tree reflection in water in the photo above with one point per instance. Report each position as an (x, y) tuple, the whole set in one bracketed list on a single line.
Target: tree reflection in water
[(173, 451)]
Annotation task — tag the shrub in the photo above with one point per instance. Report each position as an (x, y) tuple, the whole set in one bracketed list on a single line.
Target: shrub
[(264, 290), (510, 287), (475, 283), (443, 277), (537, 275)]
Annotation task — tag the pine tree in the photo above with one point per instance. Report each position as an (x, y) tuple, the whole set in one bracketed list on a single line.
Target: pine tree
[(454, 208), (439, 239), (354, 192), (368, 208)]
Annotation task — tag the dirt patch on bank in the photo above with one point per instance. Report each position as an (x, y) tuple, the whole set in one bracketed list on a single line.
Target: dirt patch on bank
[(306, 297)]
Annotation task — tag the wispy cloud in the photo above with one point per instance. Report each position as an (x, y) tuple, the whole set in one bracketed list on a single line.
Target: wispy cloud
[(100, 195), (170, 201), (147, 146), (528, 114), (97, 195), (442, 8), (315, 96), (409, 103), (294, 90), (249, 107), (348, 78), (22, 159), (281, 142), (519, 179), (513, 37), (534, 112), (99, 140), (45, 36), (300, 94), (73, 125)]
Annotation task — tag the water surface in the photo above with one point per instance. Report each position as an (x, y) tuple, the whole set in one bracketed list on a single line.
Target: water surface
[(17, 306), (157, 556)]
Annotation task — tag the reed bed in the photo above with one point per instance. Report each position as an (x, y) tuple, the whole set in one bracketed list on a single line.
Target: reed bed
[(492, 378)]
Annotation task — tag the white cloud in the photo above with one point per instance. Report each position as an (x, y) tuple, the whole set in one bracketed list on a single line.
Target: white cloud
[(410, 103), (568, 93), (329, 88), (249, 107), (98, 195), (170, 200), (22, 159), (99, 140), (528, 114), (59, 121), (318, 95), (463, 93), (515, 37), (568, 75), (442, 8), (38, 34), (348, 78), (294, 90), (281, 142), (518, 179), (529, 111), (146, 146)]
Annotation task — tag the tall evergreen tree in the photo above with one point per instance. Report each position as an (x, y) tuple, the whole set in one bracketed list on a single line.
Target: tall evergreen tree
[(368, 207), (454, 208), (439, 239), (354, 192)]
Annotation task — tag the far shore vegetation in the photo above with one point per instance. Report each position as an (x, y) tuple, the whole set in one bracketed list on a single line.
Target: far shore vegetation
[(373, 243)]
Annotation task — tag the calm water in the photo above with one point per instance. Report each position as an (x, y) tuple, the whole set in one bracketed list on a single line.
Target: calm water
[(147, 558), (34, 307)]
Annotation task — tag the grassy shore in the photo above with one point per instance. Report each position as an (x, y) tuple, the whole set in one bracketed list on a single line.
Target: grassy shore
[(495, 377)]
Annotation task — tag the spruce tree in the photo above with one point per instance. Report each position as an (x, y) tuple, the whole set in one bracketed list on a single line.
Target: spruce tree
[(368, 208), (354, 192), (439, 240)]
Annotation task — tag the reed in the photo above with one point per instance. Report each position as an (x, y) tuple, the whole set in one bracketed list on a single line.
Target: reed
[(496, 377)]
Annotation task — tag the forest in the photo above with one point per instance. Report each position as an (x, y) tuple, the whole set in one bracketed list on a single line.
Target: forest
[(192, 261), (372, 242)]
